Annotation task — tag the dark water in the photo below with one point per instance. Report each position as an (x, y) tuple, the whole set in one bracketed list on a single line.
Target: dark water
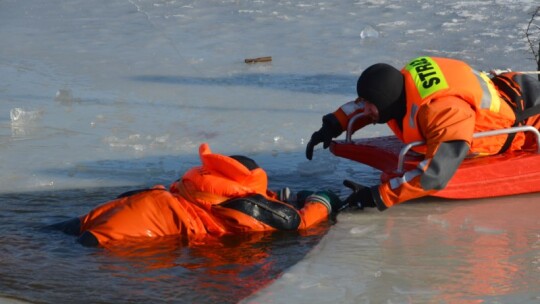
[(46, 266)]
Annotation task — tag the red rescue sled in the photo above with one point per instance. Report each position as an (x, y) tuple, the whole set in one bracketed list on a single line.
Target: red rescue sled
[(509, 173)]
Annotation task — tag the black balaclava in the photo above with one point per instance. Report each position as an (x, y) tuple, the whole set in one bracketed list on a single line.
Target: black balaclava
[(383, 86)]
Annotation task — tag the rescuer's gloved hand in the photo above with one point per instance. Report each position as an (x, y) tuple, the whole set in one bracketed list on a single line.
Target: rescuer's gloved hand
[(330, 128), (329, 199), (361, 196)]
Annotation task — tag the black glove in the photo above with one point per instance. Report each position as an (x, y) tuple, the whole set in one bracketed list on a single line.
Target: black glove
[(361, 196), (330, 128), (327, 198), (301, 197)]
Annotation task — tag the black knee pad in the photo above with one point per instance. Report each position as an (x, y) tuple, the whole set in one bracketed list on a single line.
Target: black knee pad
[(275, 214)]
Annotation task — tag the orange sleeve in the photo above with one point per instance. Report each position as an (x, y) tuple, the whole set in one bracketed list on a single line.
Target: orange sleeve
[(446, 119), (348, 111), (312, 214), (259, 213), (449, 120)]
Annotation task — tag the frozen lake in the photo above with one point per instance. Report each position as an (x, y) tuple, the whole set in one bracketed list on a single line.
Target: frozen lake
[(102, 96)]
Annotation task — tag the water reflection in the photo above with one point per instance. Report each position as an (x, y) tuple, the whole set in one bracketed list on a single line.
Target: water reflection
[(40, 265), (467, 252), (492, 248), (222, 270)]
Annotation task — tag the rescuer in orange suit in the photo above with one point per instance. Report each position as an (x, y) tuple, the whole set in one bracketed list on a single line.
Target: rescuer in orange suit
[(442, 102), (225, 195)]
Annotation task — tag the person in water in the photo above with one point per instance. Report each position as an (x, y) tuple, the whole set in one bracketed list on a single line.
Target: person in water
[(441, 102), (225, 195)]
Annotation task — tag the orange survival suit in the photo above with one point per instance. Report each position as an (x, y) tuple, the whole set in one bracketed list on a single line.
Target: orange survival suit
[(222, 196), (446, 102)]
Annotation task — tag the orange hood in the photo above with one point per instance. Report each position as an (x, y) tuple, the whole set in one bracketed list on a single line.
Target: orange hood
[(219, 178)]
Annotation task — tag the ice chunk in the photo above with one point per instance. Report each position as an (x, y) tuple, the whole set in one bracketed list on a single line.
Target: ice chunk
[(21, 116), (369, 32), (65, 96)]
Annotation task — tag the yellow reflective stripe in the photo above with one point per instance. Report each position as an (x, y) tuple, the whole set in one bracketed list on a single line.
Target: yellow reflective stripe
[(427, 76), (490, 97)]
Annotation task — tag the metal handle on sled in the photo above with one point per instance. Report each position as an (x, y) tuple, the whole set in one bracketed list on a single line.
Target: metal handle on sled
[(406, 148), (348, 137)]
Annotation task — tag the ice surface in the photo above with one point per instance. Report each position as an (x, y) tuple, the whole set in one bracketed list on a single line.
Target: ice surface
[(104, 92)]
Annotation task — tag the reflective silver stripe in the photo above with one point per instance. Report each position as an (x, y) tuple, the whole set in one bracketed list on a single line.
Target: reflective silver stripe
[(423, 164), (486, 93), (320, 199), (351, 107), (412, 120), (396, 182)]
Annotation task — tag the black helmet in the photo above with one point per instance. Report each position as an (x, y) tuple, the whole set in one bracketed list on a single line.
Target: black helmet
[(383, 86)]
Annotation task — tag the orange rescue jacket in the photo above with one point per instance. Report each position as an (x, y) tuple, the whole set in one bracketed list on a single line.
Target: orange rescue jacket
[(429, 79), (447, 101), (219, 197)]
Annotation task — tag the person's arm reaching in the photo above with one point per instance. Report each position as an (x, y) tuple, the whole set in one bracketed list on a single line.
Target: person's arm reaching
[(317, 208), (333, 124), (448, 126)]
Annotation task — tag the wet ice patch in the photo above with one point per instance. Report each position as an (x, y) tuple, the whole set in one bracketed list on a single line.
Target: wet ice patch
[(137, 142), (361, 230), (488, 230), (434, 219)]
